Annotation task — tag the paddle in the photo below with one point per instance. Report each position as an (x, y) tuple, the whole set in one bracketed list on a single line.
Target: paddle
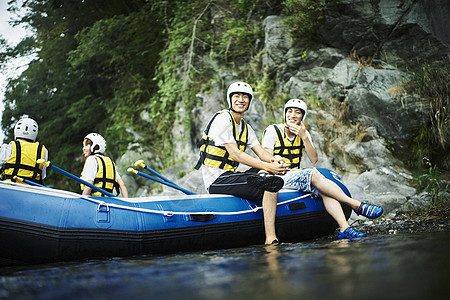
[(168, 183), (23, 180), (141, 163), (71, 176)]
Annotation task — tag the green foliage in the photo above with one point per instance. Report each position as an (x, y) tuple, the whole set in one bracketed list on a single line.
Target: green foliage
[(67, 100), (274, 102), (432, 141), (238, 41), (124, 62), (434, 84), (430, 144), (101, 64), (430, 182), (182, 69), (304, 18)]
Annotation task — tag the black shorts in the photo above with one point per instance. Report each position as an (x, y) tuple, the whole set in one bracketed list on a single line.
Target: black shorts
[(235, 183)]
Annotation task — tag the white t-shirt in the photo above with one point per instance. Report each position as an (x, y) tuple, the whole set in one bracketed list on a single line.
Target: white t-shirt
[(6, 151), (270, 137), (221, 132), (91, 168)]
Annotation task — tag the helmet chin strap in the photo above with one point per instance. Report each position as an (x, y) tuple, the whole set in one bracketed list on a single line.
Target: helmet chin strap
[(232, 109)]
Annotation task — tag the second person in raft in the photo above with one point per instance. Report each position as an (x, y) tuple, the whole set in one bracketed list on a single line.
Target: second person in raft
[(99, 169), (224, 141), (289, 140)]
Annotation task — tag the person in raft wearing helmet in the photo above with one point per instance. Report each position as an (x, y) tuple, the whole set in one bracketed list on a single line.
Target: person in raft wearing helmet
[(18, 158), (224, 141), (290, 140), (99, 169)]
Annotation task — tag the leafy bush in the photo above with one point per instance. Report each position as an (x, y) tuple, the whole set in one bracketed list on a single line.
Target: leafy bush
[(304, 17), (238, 40), (432, 141), (437, 190)]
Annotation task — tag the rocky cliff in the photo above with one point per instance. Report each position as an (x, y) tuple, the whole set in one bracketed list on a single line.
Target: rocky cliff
[(352, 82)]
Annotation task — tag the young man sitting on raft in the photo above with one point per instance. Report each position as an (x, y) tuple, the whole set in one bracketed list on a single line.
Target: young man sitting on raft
[(289, 140), (224, 141)]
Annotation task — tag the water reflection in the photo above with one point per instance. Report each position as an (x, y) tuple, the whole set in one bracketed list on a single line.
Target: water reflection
[(276, 279), (412, 266)]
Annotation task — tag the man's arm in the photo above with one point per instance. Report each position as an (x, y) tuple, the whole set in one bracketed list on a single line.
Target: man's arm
[(300, 130), (270, 151), (310, 150), (267, 163), (267, 155)]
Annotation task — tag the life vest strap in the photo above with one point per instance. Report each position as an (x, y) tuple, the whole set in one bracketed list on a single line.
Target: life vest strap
[(207, 142), (290, 156), (16, 166), (104, 179)]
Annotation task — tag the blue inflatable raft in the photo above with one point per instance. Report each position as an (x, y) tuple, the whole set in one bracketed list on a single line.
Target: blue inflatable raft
[(43, 225)]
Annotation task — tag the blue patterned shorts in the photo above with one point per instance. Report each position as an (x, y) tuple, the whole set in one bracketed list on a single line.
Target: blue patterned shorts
[(300, 179)]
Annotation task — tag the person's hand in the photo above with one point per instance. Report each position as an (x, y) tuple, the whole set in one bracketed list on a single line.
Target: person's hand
[(299, 130), (278, 158), (277, 166), (282, 161)]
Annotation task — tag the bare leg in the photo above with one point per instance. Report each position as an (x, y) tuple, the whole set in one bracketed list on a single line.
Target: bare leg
[(334, 208), (269, 204), (332, 190)]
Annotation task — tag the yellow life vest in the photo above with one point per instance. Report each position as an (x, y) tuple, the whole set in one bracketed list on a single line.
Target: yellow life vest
[(22, 162), (105, 177), (291, 151), (218, 156)]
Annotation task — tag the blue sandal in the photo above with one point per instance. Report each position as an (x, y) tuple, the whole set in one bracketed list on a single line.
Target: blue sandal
[(370, 211), (350, 233)]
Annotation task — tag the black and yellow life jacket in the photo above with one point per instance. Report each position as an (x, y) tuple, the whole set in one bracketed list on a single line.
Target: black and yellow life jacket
[(218, 156), (105, 177), (290, 150), (22, 162)]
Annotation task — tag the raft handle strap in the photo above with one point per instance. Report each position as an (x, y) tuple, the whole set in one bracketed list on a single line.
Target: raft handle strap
[(202, 218), (297, 206)]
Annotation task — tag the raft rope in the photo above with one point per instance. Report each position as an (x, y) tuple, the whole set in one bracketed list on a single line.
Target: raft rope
[(172, 213), (167, 213)]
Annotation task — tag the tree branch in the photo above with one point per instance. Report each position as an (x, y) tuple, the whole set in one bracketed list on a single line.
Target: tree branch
[(191, 48)]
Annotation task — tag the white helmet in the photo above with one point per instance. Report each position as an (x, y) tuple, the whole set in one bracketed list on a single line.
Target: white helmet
[(98, 143), (296, 103), (239, 87), (26, 128)]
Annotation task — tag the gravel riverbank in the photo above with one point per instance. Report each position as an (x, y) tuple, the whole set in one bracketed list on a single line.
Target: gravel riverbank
[(423, 220)]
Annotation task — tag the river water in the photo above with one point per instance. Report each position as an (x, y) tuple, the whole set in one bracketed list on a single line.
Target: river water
[(399, 266)]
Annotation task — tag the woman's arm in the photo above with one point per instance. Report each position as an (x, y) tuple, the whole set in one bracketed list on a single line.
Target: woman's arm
[(87, 190), (123, 188)]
